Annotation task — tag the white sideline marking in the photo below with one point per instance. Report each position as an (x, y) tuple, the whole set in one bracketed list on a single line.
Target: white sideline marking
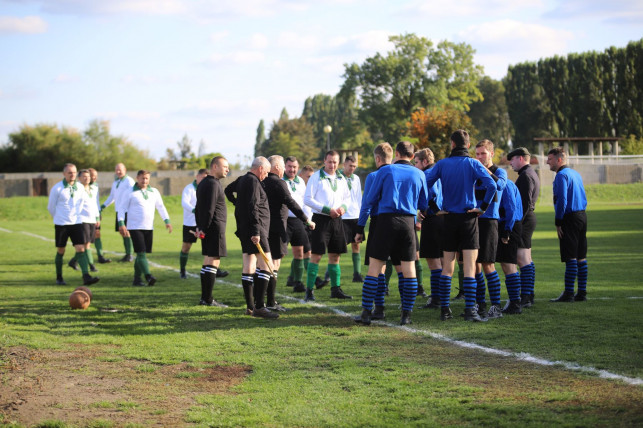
[(522, 356), (5, 230)]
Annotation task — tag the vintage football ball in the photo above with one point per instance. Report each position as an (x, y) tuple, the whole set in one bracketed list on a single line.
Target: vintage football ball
[(79, 300), (86, 290)]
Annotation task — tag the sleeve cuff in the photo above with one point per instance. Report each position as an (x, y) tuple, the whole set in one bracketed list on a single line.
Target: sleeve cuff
[(167, 221), (559, 222), (360, 229), (484, 206), (326, 210), (121, 223), (434, 206)]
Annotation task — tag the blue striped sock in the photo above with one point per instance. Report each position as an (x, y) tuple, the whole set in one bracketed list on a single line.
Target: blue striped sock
[(469, 285), (527, 279), (493, 281), (571, 270), (532, 279), (512, 281), (582, 276), (400, 285), (481, 289), (435, 282), (445, 291), (410, 291), (381, 290), (369, 290)]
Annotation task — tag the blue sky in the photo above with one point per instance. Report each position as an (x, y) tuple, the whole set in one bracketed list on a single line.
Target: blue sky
[(159, 69)]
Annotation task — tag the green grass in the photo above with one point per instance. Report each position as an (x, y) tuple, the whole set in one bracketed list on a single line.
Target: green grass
[(313, 367)]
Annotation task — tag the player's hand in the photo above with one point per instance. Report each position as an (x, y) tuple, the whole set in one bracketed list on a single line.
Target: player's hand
[(442, 212), (168, 227), (334, 213), (255, 239), (359, 238), (505, 240), (122, 230), (418, 226), (476, 211), (98, 224), (311, 224), (421, 215), (559, 231)]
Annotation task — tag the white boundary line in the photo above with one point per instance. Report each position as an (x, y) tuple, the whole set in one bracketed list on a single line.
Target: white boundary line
[(521, 356)]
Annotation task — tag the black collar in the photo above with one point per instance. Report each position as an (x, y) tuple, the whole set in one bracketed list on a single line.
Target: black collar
[(403, 162), (460, 151)]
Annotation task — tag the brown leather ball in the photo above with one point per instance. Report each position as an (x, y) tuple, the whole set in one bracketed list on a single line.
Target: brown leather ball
[(79, 300)]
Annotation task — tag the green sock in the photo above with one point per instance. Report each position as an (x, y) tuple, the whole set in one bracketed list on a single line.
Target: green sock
[(335, 274), (313, 269), (137, 269), (297, 269), (99, 247), (127, 242), (183, 260), (141, 259), (90, 256), (389, 271), (306, 261), (82, 262), (292, 269), (59, 265), (357, 263), (418, 272)]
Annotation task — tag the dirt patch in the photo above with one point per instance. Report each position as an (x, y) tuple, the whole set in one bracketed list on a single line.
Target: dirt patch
[(86, 385)]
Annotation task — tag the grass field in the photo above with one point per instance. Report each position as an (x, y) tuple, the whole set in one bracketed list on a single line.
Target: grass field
[(151, 356)]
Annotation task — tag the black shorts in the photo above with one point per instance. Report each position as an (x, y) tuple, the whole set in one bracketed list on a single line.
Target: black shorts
[(488, 238), (89, 230), (247, 247), (72, 231), (395, 238), (350, 230), (508, 253), (298, 233), (278, 247), (573, 245), (142, 240), (214, 242), (370, 242), (460, 232), (431, 237), (528, 227), (116, 222), (187, 235), (328, 235)]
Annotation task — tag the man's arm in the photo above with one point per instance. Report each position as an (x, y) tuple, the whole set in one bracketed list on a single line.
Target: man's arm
[(205, 205), (293, 206), (230, 191)]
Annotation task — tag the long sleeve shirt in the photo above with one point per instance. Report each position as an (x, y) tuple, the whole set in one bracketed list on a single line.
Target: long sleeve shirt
[(355, 190), (499, 176), (398, 189), (528, 185), (325, 192), (458, 174), (297, 189), (366, 209), (89, 212), (280, 201), (510, 209), (569, 193), (66, 203), (210, 211), (139, 205), (120, 187), (251, 209), (188, 202)]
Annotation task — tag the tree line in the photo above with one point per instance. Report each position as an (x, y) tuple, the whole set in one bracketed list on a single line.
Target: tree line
[(422, 92)]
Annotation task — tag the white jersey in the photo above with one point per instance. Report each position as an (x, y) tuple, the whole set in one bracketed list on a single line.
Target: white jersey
[(95, 193), (139, 206), (188, 201), (119, 187), (297, 189), (89, 212), (325, 192), (355, 205), (66, 203)]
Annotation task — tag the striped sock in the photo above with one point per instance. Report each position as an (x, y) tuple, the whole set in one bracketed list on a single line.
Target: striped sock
[(469, 285), (247, 284), (369, 291), (435, 282), (527, 275), (260, 280), (410, 291), (493, 281), (481, 288), (400, 285), (208, 277), (381, 290), (582, 276), (445, 291), (512, 281), (532, 279), (571, 270)]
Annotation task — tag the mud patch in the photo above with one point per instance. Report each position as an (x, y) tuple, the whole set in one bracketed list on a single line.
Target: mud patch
[(85, 385)]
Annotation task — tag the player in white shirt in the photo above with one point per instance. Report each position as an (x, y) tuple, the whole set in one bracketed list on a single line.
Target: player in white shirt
[(138, 205), (98, 244), (188, 202), (89, 217), (352, 214), (121, 186), (327, 194), (66, 201)]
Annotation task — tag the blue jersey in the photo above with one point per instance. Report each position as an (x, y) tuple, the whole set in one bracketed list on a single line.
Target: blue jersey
[(458, 174), (569, 193), (510, 206), (500, 177), (435, 196), (398, 189)]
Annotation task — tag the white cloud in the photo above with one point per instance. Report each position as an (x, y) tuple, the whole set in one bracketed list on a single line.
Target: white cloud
[(441, 8), (258, 41), (237, 57), (218, 36), (26, 25), (66, 78), (614, 11), (297, 41)]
